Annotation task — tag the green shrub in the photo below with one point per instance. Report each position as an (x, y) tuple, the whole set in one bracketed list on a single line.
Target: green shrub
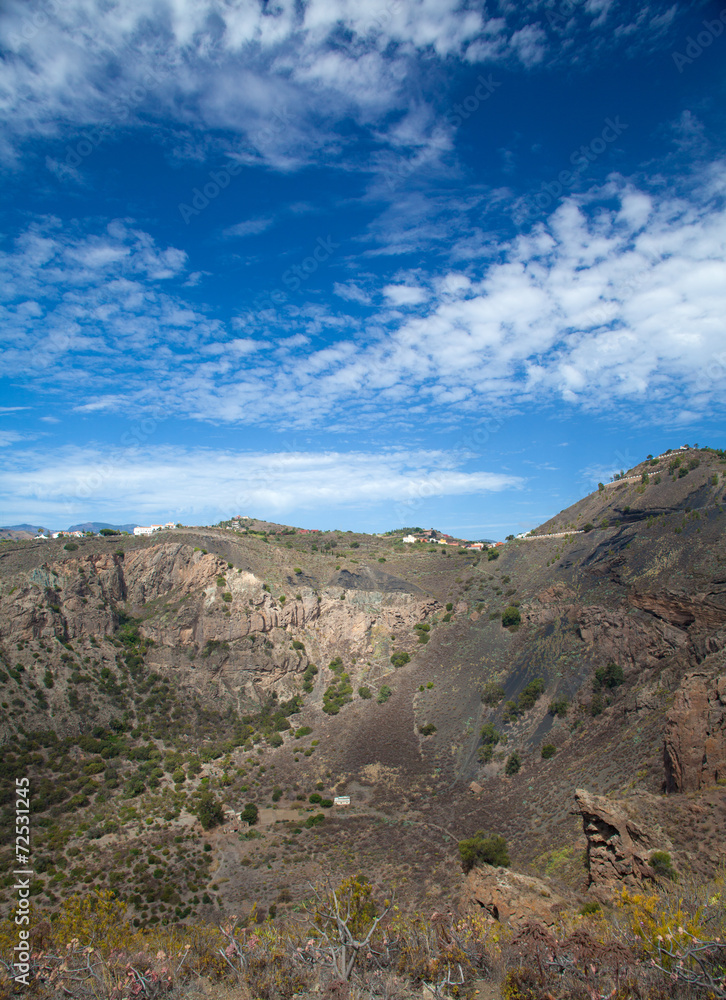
[(589, 526), (315, 798), (559, 706), (209, 810), (492, 693), (399, 659), (511, 616), (310, 671), (384, 694), (326, 803), (548, 750), (609, 677), (227, 597), (489, 735), (428, 729), (71, 546), (660, 862), (297, 571), (449, 606), (296, 644), (513, 765), (276, 794), (381, 559), (531, 693), (303, 731), (250, 814), (482, 848), (365, 692), (590, 909), (275, 739), (315, 820), (492, 554)]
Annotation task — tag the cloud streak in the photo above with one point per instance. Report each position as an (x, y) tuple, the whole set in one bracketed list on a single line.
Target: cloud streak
[(151, 482)]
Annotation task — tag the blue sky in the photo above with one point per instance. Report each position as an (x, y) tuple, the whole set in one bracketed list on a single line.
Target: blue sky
[(355, 264)]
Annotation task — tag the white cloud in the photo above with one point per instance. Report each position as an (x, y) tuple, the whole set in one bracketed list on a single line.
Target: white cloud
[(11, 437), (277, 76), (405, 295), (251, 227), (351, 292), (617, 299), (165, 481)]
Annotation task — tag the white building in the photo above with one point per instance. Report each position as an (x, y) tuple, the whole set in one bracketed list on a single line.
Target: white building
[(148, 529), (409, 539), (341, 800)]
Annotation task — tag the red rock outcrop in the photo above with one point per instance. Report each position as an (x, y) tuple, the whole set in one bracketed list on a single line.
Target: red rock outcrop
[(695, 738), (510, 897), (682, 610), (618, 848)]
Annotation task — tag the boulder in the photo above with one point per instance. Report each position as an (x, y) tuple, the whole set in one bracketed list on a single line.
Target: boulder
[(510, 897)]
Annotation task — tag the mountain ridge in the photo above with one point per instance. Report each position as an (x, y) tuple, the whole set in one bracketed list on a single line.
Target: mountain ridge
[(233, 651)]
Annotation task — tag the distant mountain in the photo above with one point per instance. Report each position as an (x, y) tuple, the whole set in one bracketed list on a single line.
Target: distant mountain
[(21, 530), (97, 525)]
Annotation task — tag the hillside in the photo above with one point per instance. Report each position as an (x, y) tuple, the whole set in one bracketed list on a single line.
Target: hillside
[(141, 674)]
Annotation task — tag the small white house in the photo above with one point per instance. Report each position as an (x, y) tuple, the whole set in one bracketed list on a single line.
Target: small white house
[(147, 529), (409, 539), (341, 800)]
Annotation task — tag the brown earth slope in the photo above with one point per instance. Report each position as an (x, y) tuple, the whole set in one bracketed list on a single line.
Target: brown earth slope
[(227, 626)]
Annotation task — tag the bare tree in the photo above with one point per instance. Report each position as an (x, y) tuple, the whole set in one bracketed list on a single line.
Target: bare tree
[(345, 921)]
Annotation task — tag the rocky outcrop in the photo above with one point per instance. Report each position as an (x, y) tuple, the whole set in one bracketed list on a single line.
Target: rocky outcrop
[(705, 610), (220, 630), (618, 846), (630, 639), (510, 898), (695, 738)]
